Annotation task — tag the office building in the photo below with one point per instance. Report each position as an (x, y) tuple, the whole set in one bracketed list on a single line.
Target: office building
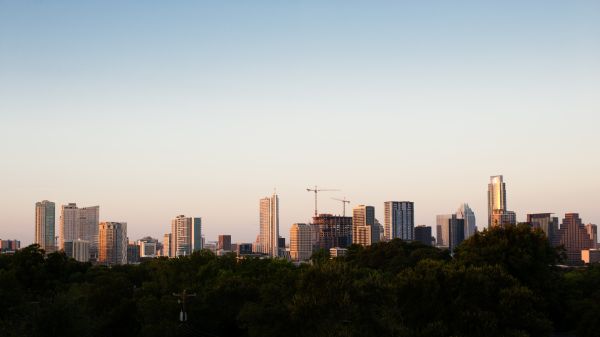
[(399, 221), (166, 250), (186, 236), (364, 231), (337, 252), (112, 243), (466, 213), (269, 226), (590, 256), (45, 225), (330, 231), (592, 231), (574, 237), (547, 223), (79, 223), (133, 253), (300, 242), (78, 250), (502, 218), (423, 234), (224, 243), (148, 247), (9, 246), (496, 197), (450, 230), (243, 249)]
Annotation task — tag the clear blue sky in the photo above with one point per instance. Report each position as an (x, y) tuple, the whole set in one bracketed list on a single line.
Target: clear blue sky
[(153, 109)]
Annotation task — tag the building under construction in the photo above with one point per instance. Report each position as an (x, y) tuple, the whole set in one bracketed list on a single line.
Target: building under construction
[(331, 231)]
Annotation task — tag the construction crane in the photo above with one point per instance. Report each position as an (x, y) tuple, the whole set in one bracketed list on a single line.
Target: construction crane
[(344, 202), (317, 190)]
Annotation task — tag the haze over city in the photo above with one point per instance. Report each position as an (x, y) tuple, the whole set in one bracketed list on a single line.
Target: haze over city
[(151, 111)]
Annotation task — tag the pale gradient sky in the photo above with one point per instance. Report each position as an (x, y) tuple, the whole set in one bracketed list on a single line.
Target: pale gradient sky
[(152, 109)]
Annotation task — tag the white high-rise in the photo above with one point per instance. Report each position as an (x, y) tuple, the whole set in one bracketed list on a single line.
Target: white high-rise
[(364, 230), (300, 242), (79, 224), (269, 226), (45, 225), (186, 236), (399, 220), (466, 213)]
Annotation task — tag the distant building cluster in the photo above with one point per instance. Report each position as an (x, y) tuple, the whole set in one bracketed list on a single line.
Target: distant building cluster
[(83, 237)]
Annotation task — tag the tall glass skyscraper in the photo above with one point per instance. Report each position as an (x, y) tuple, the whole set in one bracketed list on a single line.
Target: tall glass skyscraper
[(80, 224), (186, 236), (399, 221), (45, 225), (466, 213), (496, 197), (269, 226)]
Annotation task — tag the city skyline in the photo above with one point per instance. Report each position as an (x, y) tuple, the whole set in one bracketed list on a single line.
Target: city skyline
[(153, 110)]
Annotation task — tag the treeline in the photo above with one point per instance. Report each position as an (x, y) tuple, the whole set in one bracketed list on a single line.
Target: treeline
[(502, 282)]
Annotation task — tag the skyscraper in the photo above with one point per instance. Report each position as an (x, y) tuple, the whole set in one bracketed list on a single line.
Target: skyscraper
[(166, 250), (443, 230), (78, 250), (547, 223), (45, 225), (330, 231), (452, 230), (496, 196), (186, 236), (592, 231), (269, 225), (224, 243), (423, 234), (80, 223), (363, 226), (466, 213), (112, 243), (300, 242), (573, 235), (399, 220)]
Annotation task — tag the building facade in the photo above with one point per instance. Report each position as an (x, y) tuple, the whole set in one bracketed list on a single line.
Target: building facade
[(547, 223), (496, 197), (466, 213), (186, 236), (78, 250), (330, 231), (79, 224), (269, 226), (592, 231), (450, 231), (301, 247), (423, 234), (574, 237), (112, 243), (364, 231), (224, 243), (399, 220), (45, 225)]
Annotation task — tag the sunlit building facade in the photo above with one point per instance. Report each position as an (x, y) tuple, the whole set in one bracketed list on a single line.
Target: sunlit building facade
[(496, 198), (466, 213), (300, 242), (363, 226), (186, 236), (269, 226), (574, 237), (80, 224), (45, 225), (112, 243), (399, 220)]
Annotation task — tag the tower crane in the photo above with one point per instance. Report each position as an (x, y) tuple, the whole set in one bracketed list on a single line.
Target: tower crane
[(344, 202), (317, 190)]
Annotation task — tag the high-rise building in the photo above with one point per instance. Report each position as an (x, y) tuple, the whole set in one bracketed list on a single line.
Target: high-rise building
[(547, 223), (224, 243), (269, 226), (451, 229), (186, 236), (496, 197), (573, 235), (300, 242), (592, 231), (9, 245), (399, 221), (166, 251), (78, 250), (133, 253), (502, 217), (80, 223), (148, 247), (330, 231), (45, 225), (443, 230), (423, 234), (112, 243), (363, 226), (466, 213)]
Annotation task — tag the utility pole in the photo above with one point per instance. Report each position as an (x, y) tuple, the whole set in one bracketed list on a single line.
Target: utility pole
[(344, 202), (181, 300), (317, 190)]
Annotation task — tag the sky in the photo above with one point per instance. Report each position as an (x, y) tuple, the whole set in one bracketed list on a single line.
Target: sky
[(152, 109)]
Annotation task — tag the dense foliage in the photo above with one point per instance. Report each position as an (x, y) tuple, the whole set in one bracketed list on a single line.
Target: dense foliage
[(501, 282)]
